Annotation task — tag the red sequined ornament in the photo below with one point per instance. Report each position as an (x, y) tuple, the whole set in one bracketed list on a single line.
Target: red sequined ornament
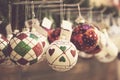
[(84, 37)]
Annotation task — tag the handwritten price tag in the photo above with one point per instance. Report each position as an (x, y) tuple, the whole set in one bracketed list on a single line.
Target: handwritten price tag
[(46, 23)]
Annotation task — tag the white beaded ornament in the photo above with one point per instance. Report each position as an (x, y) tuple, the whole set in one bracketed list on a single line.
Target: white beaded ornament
[(62, 55)]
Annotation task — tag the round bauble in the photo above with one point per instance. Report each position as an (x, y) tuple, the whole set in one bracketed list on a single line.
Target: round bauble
[(85, 37), (25, 48), (3, 48), (108, 52), (61, 55)]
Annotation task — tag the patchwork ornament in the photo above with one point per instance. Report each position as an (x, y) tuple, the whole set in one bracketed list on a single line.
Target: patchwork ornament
[(25, 48), (61, 55), (85, 37), (3, 48)]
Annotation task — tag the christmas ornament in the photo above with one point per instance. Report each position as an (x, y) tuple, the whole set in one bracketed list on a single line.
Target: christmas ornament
[(3, 48), (61, 55), (85, 37), (108, 51), (25, 48)]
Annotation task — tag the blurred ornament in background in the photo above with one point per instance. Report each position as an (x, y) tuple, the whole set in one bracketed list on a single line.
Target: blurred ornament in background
[(54, 35), (99, 3), (109, 51), (1, 22), (116, 3)]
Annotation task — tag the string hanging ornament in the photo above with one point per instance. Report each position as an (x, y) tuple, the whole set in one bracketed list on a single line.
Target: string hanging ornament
[(25, 48), (38, 28), (85, 37), (109, 51), (62, 54), (55, 34)]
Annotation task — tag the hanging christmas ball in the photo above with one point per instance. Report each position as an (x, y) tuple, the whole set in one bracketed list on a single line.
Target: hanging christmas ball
[(25, 48), (62, 55), (3, 48), (54, 35), (85, 37), (109, 51)]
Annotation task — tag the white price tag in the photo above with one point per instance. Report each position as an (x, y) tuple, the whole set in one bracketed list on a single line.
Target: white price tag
[(66, 25), (65, 34), (46, 23)]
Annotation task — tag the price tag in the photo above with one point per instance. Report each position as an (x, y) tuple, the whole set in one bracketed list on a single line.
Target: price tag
[(66, 30), (65, 34), (46, 23), (66, 25)]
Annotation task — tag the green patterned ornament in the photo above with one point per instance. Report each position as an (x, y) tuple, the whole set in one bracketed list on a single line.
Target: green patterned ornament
[(25, 48), (62, 55)]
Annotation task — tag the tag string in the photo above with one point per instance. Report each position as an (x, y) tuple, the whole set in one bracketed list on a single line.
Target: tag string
[(17, 9), (9, 13), (33, 13), (26, 11), (79, 12), (61, 9)]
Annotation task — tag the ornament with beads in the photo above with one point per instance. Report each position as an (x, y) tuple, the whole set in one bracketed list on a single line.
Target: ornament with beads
[(62, 54), (85, 37)]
